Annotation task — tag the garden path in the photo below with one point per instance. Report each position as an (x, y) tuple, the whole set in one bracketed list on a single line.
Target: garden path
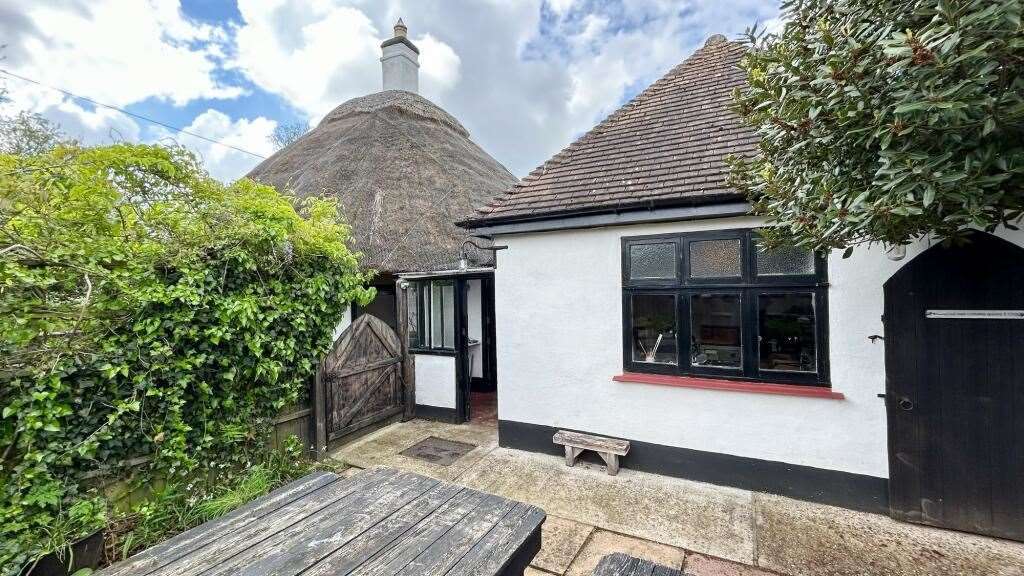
[(705, 529)]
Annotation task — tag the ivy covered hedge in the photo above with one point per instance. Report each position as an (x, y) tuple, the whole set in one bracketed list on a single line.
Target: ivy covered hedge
[(150, 313)]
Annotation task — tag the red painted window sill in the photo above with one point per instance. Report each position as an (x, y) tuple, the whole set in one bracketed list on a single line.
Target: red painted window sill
[(732, 385)]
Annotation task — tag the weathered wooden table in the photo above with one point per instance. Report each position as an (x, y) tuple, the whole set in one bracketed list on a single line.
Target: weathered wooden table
[(381, 521)]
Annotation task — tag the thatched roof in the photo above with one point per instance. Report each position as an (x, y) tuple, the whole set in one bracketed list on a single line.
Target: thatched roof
[(404, 171)]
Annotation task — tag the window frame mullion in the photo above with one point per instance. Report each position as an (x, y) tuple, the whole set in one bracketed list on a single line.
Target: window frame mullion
[(683, 332), (751, 337)]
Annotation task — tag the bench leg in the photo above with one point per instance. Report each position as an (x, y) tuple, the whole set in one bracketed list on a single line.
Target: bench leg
[(611, 462), (571, 454)]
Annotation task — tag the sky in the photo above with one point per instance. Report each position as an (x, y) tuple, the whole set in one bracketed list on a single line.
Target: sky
[(525, 77)]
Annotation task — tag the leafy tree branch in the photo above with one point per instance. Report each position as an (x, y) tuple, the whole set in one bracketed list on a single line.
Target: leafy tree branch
[(886, 120)]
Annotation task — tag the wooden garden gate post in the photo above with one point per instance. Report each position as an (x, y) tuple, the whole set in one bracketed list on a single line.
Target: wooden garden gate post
[(408, 361)]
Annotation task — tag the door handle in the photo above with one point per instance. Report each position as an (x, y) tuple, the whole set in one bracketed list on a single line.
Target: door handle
[(905, 404)]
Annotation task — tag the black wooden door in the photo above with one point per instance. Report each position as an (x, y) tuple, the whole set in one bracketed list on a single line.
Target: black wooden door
[(955, 388)]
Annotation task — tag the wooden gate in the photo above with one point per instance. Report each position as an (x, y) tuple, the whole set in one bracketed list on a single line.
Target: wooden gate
[(360, 381), (954, 346)]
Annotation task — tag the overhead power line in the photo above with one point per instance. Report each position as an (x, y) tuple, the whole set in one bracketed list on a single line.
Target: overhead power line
[(132, 114)]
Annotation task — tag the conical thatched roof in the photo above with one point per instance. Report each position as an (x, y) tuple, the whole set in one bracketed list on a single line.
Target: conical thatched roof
[(404, 171)]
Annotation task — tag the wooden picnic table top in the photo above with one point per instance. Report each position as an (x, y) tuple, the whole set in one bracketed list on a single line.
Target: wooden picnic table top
[(380, 521)]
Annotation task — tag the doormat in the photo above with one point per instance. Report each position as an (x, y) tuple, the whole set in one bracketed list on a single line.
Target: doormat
[(438, 450)]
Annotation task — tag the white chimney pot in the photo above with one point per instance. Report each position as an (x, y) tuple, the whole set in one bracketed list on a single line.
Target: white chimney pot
[(400, 62)]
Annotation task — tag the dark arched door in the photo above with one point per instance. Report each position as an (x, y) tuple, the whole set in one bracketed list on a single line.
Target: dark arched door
[(954, 360)]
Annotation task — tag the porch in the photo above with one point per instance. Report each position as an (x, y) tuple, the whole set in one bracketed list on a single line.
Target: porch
[(707, 530)]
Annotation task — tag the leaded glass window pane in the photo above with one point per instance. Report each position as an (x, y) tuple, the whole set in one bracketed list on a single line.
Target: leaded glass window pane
[(784, 261), (715, 258), (786, 332), (650, 261), (716, 322), (654, 328)]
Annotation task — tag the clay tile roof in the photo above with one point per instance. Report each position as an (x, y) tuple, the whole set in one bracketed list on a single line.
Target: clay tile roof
[(664, 147)]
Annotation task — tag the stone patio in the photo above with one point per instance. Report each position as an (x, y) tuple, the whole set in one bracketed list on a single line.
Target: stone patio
[(704, 529)]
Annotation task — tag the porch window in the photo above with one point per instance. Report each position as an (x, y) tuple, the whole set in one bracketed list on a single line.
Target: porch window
[(432, 315), (717, 304)]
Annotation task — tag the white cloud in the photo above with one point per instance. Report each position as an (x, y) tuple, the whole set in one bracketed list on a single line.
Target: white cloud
[(561, 6), (226, 163), (100, 125), (524, 77), (320, 54), (118, 51), (439, 66), (773, 25), (314, 55), (535, 74)]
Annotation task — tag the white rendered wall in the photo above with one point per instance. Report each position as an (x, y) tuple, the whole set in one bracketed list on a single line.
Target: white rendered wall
[(475, 328), (344, 323), (435, 380), (559, 338)]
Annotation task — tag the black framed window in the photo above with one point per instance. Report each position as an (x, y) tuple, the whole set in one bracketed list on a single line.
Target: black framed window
[(718, 304), (432, 315)]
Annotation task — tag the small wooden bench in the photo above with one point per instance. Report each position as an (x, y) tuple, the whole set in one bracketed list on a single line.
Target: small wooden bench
[(620, 564), (609, 449)]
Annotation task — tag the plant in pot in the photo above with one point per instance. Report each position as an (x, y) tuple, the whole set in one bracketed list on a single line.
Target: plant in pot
[(73, 544)]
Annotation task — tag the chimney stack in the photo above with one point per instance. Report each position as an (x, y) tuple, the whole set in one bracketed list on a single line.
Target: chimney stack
[(400, 61)]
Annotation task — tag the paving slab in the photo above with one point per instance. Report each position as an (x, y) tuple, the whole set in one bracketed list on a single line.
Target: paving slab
[(531, 571), (350, 472), (561, 541), (602, 543), (383, 447), (797, 537), (701, 565), (793, 538), (712, 519)]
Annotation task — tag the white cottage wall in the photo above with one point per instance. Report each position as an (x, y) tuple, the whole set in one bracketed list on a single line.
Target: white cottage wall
[(435, 380), (557, 361), (343, 324)]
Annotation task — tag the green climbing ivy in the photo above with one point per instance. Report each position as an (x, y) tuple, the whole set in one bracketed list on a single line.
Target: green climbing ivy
[(149, 313)]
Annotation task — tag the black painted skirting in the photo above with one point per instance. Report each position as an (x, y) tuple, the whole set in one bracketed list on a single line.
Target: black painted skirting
[(450, 415), (844, 489)]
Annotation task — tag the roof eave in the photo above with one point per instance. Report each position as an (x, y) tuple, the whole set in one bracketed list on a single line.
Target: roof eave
[(476, 224)]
